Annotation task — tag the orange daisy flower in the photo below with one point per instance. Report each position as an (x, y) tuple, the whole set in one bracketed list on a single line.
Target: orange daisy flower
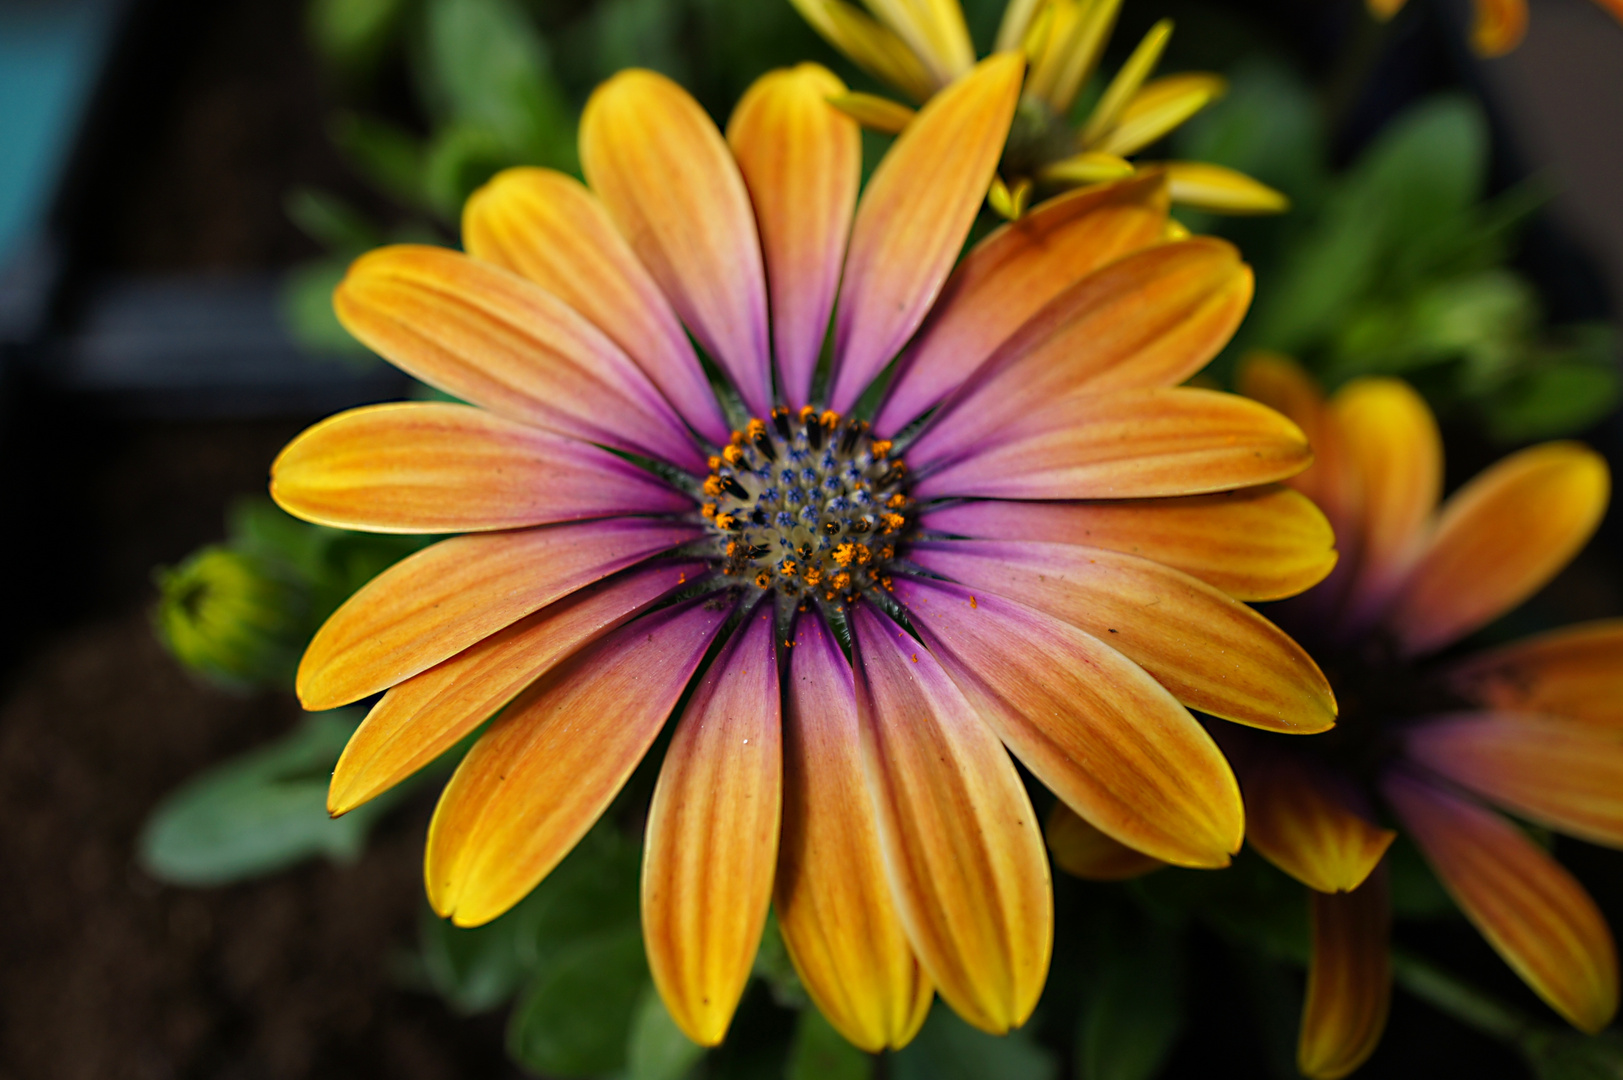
[(629, 517), (1532, 728)]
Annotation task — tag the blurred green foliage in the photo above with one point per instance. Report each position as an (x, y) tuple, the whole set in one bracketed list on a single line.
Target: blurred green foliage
[(1398, 264), (259, 813)]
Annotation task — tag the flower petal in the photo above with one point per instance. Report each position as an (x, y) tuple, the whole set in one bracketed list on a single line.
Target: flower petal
[(1499, 26), (430, 467), (1576, 671), (1349, 983), (713, 835), (432, 605), (1498, 540), (1149, 319), (869, 44), (1125, 86), (841, 926), (1212, 652), (802, 160), (963, 853), (1202, 186), (875, 113), (1396, 453), (489, 337), (1306, 821), (1131, 444), (934, 30), (1077, 34), (1260, 543), (1562, 774), (1534, 914), (1099, 732), (1159, 106), (421, 718), (913, 218), (671, 185), (1332, 480), (548, 768), (1083, 851), (1007, 279), (546, 226)]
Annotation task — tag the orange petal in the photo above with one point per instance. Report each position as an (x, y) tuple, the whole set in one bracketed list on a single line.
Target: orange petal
[(1560, 773), (1099, 732), (713, 835), (671, 185), (1302, 819), (546, 226), (1397, 455), (1575, 672), (913, 218), (1211, 651), (489, 337), (421, 718), (1152, 318), (430, 467), (1128, 444), (1331, 481), (839, 922), (963, 853), (1260, 543), (1498, 540), (432, 605), (1007, 279), (1083, 851), (548, 768), (1498, 27), (1534, 914), (1349, 984), (802, 160)]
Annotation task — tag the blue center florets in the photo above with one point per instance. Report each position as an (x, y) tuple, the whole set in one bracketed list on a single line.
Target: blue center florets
[(808, 504)]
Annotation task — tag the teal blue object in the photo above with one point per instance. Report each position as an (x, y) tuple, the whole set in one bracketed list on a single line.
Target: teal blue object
[(50, 51)]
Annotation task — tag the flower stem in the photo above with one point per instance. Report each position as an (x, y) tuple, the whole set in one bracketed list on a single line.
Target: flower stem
[(1460, 1000)]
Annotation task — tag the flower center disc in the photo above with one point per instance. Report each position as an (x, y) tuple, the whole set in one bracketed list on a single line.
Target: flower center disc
[(808, 504)]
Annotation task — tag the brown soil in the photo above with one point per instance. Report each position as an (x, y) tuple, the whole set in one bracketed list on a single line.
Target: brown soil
[(104, 973)]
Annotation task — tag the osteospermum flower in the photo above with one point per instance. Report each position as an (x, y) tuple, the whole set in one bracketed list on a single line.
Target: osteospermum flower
[(1532, 728), (919, 46), (1497, 26), (628, 519)]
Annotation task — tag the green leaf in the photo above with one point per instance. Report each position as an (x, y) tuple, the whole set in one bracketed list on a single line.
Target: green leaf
[(949, 1049), (307, 312), (1557, 1054), (330, 221), (821, 1053), (772, 964), (460, 158), (575, 1018), (475, 969), (487, 69), (351, 35), (593, 892), (258, 813), (1132, 1013), (1559, 396), (1416, 892), (388, 156), (658, 1050), (1424, 172)]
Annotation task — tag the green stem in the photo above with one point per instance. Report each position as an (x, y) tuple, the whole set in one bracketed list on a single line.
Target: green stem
[(1460, 1000)]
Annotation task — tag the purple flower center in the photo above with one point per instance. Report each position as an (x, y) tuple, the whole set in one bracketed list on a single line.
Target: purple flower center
[(808, 505)]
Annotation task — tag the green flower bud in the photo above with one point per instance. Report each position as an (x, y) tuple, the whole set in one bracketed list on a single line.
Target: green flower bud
[(233, 618)]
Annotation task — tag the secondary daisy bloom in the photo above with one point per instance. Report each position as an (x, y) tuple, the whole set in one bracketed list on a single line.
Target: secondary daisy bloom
[(919, 46), (1497, 26), (638, 533), (1533, 728)]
